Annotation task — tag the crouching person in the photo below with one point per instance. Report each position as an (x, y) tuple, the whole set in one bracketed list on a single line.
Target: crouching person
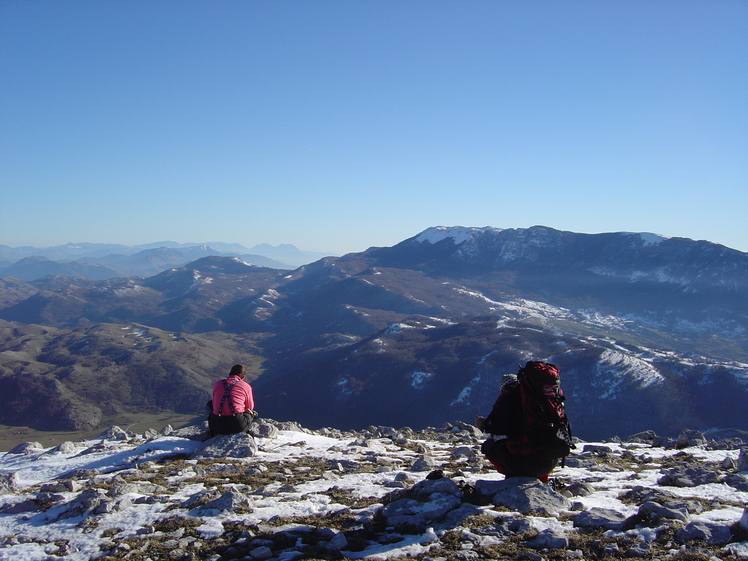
[(530, 432), (232, 407)]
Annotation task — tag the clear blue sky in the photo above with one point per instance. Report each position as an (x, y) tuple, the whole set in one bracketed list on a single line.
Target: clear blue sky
[(340, 125)]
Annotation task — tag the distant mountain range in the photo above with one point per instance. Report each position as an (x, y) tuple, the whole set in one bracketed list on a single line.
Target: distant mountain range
[(649, 332), (107, 261)]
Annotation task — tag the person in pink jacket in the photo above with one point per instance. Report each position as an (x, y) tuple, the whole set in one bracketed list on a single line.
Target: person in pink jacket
[(232, 407)]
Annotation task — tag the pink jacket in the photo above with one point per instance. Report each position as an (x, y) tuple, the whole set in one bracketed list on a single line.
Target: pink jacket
[(240, 395)]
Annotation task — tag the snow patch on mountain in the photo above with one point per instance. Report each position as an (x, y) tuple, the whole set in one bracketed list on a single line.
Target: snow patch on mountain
[(463, 396), (269, 297), (474, 294), (398, 328), (343, 388), (615, 367), (128, 290), (458, 234), (437, 322), (418, 379), (648, 238)]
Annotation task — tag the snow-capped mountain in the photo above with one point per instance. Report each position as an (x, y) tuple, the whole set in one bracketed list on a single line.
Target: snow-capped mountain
[(649, 332), (289, 493)]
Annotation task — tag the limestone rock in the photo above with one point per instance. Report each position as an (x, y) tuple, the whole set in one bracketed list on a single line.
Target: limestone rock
[(230, 501), (116, 433), (423, 463), (743, 460), (710, 533), (8, 483), (523, 494), (27, 448), (227, 446), (600, 518), (262, 429), (689, 438)]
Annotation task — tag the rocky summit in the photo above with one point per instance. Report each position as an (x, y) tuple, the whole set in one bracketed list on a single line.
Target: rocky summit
[(286, 492)]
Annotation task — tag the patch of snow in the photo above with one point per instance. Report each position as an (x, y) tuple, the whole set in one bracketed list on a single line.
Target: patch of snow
[(419, 379), (29, 536), (458, 234), (615, 367), (474, 294), (463, 396), (398, 328), (648, 238), (343, 387)]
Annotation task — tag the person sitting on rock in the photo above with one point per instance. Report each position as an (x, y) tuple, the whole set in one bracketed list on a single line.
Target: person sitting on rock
[(232, 406)]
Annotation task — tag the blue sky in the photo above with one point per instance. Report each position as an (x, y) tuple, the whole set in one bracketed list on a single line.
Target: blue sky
[(340, 125)]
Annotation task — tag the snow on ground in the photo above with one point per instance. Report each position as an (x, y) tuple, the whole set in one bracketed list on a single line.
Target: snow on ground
[(337, 465)]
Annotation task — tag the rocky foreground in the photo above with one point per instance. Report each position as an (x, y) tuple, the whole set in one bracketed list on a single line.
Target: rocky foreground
[(288, 493)]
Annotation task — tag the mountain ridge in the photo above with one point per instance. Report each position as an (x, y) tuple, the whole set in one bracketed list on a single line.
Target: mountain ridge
[(106, 261), (665, 332)]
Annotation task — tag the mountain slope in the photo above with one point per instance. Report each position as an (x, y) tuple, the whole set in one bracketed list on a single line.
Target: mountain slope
[(635, 321), (78, 379), (420, 371)]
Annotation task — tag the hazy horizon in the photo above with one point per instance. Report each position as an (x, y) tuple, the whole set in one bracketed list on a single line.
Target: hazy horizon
[(335, 126)]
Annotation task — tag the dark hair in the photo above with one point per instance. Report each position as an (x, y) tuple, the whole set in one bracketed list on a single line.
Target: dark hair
[(237, 370)]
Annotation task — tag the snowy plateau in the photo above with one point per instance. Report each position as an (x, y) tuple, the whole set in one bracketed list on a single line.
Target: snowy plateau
[(286, 492)]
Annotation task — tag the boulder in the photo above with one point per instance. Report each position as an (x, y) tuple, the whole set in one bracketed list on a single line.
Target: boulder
[(600, 518), (575, 461), (638, 551), (463, 452), (737, 481), (27, 448), (338, 542), (200, 498), (226, 446), (116, 433), (192, 432), (653, 510), (261, 553), (708, 532), (66, 447), (8, 483), (640, 495), (578, 489), (689, 438), (424, 505), (423, 463), (88, 501), (743, 459), (596, 449), (688, 477), (414, 516), (230, 501), (644, 437), (523, 494), (549, 539), (262, 429), (663, 442), (744, 520)]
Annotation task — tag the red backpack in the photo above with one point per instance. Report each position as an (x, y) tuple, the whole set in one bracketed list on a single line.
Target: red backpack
[(545, 425), (544, 430)]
